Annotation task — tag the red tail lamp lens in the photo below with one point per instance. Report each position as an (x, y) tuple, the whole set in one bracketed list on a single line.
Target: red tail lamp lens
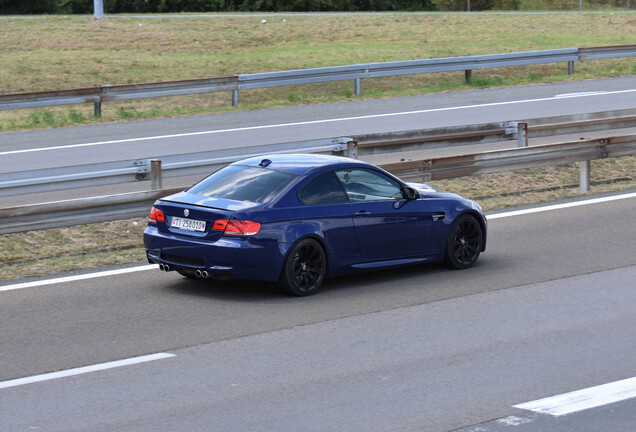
[(220, 224), (156, 215), (237, 227)]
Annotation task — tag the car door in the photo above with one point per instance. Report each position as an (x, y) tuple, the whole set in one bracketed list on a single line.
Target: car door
[(387, 224), (326, 211)]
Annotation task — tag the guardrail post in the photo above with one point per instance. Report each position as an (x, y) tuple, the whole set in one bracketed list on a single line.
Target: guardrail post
[(571, 67), (352, 150), (468, 75), (156, 174), (522, 130), (517, 130), (356, 86), (97, 105), (235, 98), (585, 176)]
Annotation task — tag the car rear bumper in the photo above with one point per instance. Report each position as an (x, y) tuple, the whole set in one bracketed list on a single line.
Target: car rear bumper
[(241, 258)]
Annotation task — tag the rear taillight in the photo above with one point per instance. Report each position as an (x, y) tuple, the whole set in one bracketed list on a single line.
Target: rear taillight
[(236, 227), (156, 215)]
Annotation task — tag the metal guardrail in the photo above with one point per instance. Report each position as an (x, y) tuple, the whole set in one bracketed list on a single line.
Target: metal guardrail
[(409, 67), (579, 123), (113, 207), (108, 173), (357, 72), (514, 159), (104, 93), (79, 211), (491, 132), (595, 53), (423, 139)]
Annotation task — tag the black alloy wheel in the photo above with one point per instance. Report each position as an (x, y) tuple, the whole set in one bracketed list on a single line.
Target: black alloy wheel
[(464, 244), (305, 268)]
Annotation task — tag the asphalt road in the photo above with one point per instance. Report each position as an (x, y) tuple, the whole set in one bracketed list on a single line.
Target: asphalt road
[(61, 147), (154, 138), (548, 309)]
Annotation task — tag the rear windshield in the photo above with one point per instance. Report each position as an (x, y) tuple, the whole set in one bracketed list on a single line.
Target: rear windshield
[(241, 183)]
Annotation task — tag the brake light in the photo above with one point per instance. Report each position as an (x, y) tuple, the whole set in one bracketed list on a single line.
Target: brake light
[(237, 227), (156, 215)]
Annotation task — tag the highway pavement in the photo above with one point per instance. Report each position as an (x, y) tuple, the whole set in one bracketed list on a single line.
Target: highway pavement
[(146, 139), (549, 309), (149, 138)]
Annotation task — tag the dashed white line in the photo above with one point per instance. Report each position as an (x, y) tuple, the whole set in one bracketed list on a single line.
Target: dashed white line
[(580, 400), (569, 95), (83, 370)]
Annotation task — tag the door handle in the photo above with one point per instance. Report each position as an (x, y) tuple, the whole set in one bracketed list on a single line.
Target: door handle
[(363, 213)]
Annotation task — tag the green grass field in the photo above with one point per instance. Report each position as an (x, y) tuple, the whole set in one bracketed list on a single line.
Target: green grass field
[(57, 52)]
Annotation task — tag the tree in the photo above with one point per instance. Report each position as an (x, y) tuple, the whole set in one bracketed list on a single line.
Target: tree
[(28, 7), (462, 5)]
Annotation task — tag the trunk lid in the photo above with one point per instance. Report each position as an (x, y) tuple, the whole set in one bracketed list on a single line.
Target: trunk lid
[(189, 215)]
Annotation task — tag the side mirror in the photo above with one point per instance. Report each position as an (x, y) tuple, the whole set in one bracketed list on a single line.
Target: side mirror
[(411, 194)]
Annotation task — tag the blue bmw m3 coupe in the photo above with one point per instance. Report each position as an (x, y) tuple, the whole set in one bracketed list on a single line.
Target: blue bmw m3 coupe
[(299, 219)]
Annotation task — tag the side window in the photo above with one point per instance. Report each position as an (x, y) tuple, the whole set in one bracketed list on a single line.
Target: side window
[(324, 189), (368, 185)]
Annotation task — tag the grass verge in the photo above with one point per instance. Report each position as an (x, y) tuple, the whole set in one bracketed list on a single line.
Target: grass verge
[(38, 253), (56, 52)]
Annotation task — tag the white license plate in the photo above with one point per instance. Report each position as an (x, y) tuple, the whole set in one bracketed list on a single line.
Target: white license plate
[(187, 224)]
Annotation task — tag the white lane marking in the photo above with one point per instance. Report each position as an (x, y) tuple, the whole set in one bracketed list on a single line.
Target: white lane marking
[(83, 370), (560, 206), (77, 278), (153, 266), (580, 400), (514, 421), (569, 95), (282, 125)]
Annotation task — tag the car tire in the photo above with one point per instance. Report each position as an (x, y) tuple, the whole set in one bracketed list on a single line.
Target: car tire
[(305, 268), (464, 243)]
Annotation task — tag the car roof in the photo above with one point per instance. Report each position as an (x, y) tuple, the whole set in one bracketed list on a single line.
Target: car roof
[(298, 163)]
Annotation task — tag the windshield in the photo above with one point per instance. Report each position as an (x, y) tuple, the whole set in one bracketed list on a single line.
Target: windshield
[(241, 183)]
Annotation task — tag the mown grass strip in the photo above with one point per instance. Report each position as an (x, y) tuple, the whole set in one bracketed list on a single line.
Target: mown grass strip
[(55, 53)]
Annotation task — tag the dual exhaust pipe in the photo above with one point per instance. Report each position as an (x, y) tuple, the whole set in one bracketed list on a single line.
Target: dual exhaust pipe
[(201, 274)]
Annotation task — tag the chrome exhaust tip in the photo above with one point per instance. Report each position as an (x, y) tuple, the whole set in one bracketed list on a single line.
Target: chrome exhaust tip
[(204, 274), (198, 273), (166, 267), (161, 267)]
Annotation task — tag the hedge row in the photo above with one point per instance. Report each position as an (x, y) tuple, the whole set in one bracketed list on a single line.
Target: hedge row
[(21, 7)]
